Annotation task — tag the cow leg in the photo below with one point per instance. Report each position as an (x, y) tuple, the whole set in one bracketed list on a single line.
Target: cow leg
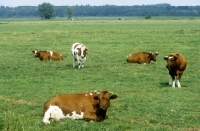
[(173, 81), (178, 81), (173, 84), (53, 112), (79, 64), (82, 64), (73, 59), (47, 116), (170, 80)]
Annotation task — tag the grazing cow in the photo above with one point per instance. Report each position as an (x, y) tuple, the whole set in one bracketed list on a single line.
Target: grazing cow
[(79, 54), (89, 106), (142, 57), (47, 55), (176, 64)]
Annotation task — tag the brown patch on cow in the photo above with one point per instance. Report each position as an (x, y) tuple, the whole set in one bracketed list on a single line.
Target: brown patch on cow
[(85, 52), (76, 45), (79, 51)]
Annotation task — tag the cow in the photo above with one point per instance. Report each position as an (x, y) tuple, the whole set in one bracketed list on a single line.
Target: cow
[(142, 57), (47, 55), (176, 64), (79, 54), (91, 105)]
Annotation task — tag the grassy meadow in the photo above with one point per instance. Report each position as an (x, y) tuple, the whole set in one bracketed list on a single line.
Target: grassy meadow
[(145, 100)]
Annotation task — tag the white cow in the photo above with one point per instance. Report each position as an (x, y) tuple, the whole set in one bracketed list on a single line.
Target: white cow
[(79, 54)]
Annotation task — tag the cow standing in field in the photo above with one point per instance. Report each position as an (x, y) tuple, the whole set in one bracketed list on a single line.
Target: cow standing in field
[(79, 54), (176, 64), (142, 57), (47, 55), (90, 106)]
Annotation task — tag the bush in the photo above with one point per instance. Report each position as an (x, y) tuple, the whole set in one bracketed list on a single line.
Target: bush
[(148, 16)]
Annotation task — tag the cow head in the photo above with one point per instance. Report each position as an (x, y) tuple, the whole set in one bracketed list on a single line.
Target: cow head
[(36, 53), (104, 99), (82, 51), (170, 61), (153, 55)]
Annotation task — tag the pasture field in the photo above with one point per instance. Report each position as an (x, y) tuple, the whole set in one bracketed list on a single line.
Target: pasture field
[(145, 100)]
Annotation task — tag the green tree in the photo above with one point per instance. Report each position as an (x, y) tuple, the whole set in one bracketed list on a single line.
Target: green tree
[(69, 12), (46, 10), (148, 16)]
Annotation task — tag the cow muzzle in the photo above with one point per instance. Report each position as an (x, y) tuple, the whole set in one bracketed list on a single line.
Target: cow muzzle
[(168, 67), (103, 108)]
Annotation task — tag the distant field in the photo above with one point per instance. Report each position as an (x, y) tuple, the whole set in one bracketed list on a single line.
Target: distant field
[(145, 101)]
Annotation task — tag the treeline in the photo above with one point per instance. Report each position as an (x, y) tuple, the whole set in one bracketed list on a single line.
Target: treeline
[(106, 10)]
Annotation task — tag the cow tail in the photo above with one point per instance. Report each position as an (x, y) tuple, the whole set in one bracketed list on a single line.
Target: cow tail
[(127, 59)]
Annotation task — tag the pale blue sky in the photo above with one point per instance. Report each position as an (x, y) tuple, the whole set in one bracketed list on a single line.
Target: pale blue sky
[(14, 3)]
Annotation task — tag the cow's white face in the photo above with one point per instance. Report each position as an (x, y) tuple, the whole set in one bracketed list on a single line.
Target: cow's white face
[(170, 61), (82, 52), (36, 53)]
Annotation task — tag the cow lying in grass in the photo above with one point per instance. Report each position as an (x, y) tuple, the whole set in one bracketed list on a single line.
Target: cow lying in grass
[(47, 55), (90, 106), (142, 57)]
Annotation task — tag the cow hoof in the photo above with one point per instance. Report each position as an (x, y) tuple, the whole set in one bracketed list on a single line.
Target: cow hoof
[(46, 122)]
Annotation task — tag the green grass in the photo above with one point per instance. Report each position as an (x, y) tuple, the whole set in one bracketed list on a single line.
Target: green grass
[(145, 101)]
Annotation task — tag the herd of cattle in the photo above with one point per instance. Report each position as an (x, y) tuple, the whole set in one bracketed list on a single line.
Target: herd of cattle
[(93, 105)]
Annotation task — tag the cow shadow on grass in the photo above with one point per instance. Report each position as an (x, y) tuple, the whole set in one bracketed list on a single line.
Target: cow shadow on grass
[(164, 84), (70, 66)]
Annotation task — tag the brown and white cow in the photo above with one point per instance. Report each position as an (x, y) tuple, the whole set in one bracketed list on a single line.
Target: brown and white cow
[(79, 54), (89, 106), (142, 57), (47, 55), (176, 64)]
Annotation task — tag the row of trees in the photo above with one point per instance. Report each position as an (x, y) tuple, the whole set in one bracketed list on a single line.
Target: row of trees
[(47, 11)]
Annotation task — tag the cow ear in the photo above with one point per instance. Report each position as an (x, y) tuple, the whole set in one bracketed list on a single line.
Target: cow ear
[(156, 53), (86, 50), (113, 96), (175, 57), (166, 58), (96, 97)]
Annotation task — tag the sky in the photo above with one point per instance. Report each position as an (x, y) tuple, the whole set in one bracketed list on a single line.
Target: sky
[(15, 3)]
